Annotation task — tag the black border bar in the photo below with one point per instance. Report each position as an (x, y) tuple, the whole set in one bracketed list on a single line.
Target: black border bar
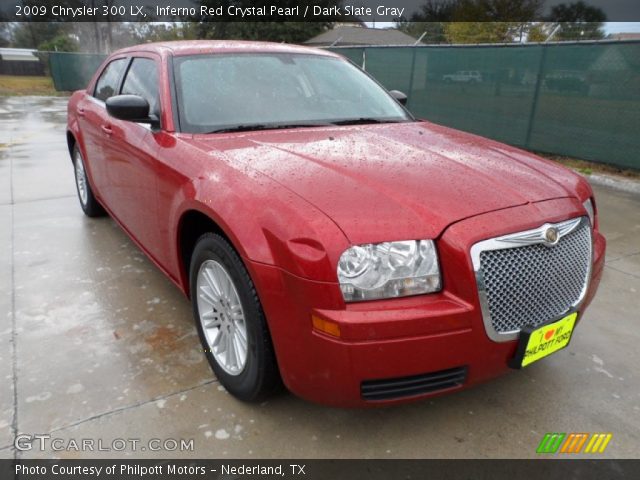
[(539, 468), (298, 10)]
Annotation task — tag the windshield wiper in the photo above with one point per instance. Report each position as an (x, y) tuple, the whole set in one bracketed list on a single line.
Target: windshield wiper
[(364, 121), (267, 126)]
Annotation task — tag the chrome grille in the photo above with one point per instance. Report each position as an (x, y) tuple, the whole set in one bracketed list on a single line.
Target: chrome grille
[(533, 283)]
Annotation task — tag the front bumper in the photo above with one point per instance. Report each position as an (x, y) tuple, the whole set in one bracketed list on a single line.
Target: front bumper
[(406, 337)]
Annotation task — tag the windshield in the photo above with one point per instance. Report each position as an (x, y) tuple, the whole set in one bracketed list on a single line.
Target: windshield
[(253, 91)]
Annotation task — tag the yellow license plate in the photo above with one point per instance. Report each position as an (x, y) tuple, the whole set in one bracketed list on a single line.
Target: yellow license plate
[(544, 341)]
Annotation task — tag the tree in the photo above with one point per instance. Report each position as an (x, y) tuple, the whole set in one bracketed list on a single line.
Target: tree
[(293, 32), (5, 33), (474, 21), (32, 34), (289, 32), (59, 43), (512, 11), (159, 31), (105, 36), (427, 32), (437, 11), (29, 34), (578, 21), (489, 21), (538, 32), (430, 20), (479, 32)]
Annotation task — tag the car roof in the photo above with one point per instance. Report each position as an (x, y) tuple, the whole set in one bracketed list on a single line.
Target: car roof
[(196, 47)]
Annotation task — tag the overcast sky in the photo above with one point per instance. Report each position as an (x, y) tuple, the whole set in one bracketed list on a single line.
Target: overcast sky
[(617, 27)]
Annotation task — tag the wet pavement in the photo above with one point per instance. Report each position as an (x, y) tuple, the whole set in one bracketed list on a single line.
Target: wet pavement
[(95, 343)]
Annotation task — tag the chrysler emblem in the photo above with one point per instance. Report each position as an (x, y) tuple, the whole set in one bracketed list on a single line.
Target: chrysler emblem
[(551, 235)]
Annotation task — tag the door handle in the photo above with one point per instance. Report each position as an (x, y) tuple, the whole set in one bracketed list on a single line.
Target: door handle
[(106, 129)]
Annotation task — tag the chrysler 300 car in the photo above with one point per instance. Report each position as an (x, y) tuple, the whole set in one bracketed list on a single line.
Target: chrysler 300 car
[(328, 239)]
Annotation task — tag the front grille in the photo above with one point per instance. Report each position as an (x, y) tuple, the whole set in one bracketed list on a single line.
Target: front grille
[(533, 284), (392, 388)]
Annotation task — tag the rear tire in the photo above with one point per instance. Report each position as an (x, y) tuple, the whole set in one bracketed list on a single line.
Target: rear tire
[(90, 206), (230, 320)]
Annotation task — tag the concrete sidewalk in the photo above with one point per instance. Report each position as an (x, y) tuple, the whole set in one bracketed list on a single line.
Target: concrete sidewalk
[(96, 343)]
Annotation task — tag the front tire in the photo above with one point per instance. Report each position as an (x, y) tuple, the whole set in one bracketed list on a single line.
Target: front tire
[(88, 202), (230, 320)]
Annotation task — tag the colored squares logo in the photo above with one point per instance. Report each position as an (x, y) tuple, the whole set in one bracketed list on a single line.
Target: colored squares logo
[(598, 443), (574, 443), (551, 442)]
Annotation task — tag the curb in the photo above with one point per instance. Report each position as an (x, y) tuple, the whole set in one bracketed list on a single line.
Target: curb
[(624, 184)]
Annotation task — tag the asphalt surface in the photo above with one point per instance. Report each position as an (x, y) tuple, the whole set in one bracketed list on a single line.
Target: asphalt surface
[(97, 344)]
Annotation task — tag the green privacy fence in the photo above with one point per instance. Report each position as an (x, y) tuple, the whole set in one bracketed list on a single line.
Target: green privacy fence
[(580, 100), (72, 71)]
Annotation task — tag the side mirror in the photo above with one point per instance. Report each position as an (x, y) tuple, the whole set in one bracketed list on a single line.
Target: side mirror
[(131, 108), (399, 96)]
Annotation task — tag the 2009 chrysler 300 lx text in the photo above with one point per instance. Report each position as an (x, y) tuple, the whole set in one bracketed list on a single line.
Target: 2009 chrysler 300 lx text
[(325, 236)]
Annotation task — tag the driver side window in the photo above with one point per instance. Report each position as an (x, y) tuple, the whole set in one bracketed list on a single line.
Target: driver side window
[(142, 80), (107, 84)]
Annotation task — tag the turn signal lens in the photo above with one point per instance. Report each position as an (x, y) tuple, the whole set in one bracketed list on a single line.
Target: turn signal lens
[(325, 326)]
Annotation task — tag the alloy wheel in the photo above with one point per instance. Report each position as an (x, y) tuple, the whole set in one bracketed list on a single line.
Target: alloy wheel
[(222, 317)]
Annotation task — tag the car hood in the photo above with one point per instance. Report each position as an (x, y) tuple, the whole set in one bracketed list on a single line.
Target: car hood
[(394, 181)]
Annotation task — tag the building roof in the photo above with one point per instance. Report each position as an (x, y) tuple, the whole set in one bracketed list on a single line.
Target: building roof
[(342, 35), (18, 55)]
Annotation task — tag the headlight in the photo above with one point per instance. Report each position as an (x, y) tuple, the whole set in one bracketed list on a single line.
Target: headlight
[(388, 270), (588, 206)]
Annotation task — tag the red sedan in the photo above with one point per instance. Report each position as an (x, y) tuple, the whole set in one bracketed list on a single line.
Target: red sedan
[(328, 239)]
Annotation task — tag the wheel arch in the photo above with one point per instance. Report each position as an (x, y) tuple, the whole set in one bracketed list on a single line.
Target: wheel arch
[(193, 223), (71, 143)]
